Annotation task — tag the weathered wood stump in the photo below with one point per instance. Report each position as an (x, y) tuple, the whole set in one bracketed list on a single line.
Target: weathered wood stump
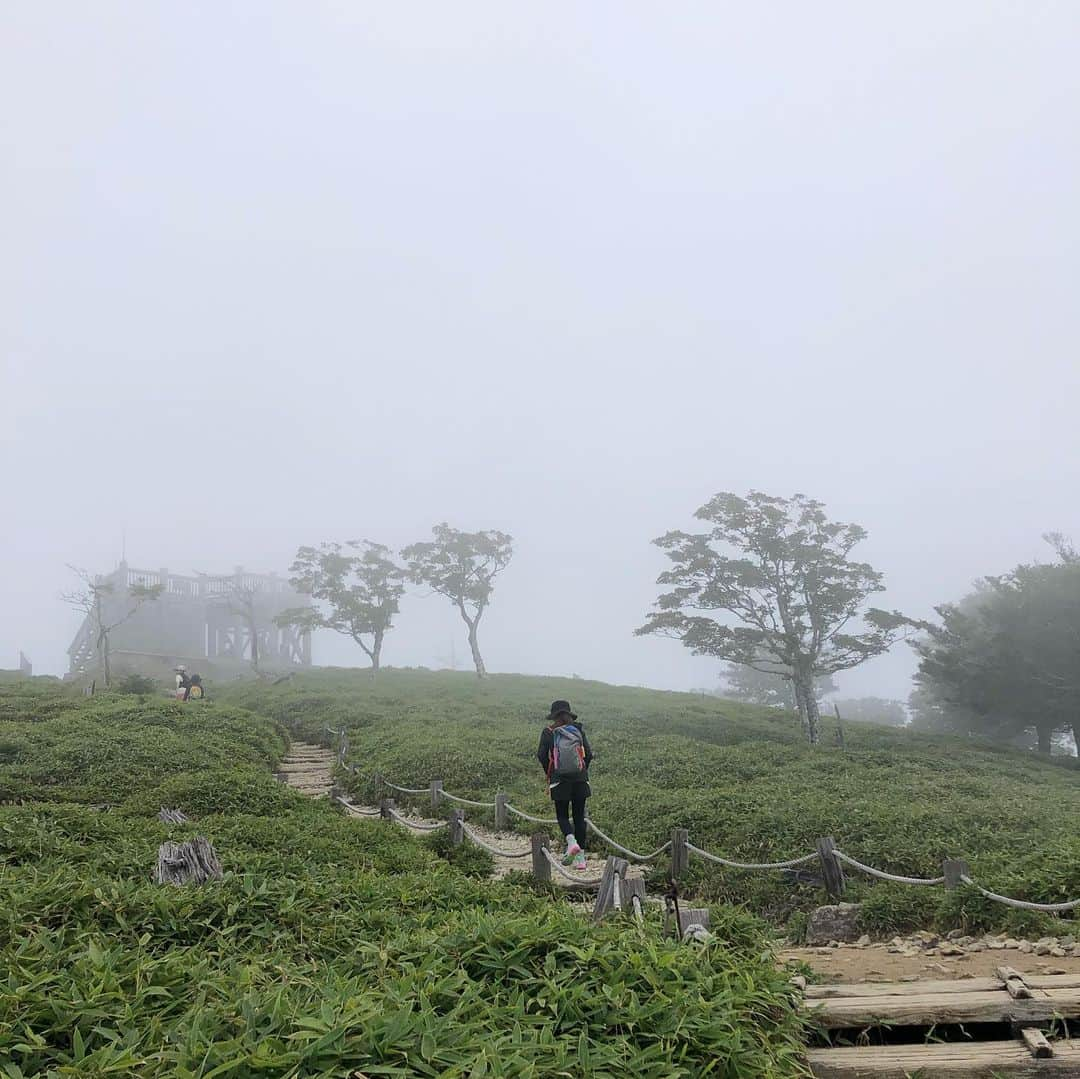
[(171, 816), (194, 862)]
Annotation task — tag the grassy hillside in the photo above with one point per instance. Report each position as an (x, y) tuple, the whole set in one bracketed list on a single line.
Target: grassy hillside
[(332, 947), (739, 778)]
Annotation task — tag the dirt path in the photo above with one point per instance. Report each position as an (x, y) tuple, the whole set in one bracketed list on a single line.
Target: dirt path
[(848, 964), (309, 769)]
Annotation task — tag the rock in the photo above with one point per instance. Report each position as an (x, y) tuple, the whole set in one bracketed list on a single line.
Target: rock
[(1058, 953), (1042, 948), (1076, 950), (954, 934), (1026, 947), (909, 977), (863, 942), (996, 945), (964, 941), (976, 946), (1011, 942), (1056, 970), (951, 949), (839, 922), (1067, 942), (941, 968)]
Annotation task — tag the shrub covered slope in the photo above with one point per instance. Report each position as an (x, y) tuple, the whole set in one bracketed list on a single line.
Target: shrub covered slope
[(332, 947), (740, 778)]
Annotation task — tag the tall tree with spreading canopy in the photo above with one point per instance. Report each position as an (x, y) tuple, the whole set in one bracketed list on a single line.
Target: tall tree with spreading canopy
[(462, 566), (357, 594), (782, 571), (1006, 659)]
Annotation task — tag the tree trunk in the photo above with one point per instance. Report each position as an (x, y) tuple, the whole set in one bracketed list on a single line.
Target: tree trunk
[(481, 671), (800, 707), (1044, 732), (376, 652), (804, 691), (254, 644), (1076, 737), (103, 653)]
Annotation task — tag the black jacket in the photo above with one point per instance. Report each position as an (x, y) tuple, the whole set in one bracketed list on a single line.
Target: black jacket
[(543, 755)]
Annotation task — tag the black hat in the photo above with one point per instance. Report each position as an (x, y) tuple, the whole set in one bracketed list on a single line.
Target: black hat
[(559, 708)]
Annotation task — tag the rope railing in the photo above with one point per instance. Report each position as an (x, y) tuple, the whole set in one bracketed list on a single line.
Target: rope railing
[(1022, 904), (791, 863), (497, 851), (418, 825), (626, 850), (895, 878), (585, 882), (357, 810), (461, 801), (406, 790), (680, 847), (528, 816)]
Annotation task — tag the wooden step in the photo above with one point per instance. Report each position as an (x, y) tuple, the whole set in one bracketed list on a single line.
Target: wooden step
[(969, 1060), (953, 1006), (903, 989)]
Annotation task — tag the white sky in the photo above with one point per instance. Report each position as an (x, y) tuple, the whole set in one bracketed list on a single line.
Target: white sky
[(278, 273)]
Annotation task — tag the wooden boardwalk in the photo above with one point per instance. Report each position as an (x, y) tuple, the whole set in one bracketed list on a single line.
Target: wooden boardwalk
[(309, 769), (1022, 1002)]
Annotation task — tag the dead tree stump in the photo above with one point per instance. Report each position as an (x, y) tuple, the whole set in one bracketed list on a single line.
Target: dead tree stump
[(187, 863)]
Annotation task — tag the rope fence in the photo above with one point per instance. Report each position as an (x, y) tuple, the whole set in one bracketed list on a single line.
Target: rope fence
[(882, 875), (528, 816), (791, 863), (585, 882), (830, 858), (497, 851), (462, 801)]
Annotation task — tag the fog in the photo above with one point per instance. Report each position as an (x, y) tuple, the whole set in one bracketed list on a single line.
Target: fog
[(273, 274)]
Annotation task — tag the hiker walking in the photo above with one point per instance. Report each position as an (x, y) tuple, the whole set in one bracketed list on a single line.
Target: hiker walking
[(564, 754)]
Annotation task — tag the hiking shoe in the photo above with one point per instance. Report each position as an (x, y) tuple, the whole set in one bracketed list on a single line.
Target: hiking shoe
[(571, 853), (578, 861)]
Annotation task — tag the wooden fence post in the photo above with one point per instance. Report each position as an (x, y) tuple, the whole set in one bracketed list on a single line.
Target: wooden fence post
[(436, 793), (457, 829), (385, 805), (610, 892), (954, 868), (680, 856), (540, 865), (831, 870), (634, 897), (502, 815)]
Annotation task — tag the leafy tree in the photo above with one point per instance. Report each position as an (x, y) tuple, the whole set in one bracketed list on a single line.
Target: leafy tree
[(240, 597), (794, 592), (886, 713), (358, 593), (767, 686), (462, 566), (1006, 659), (106, 606)]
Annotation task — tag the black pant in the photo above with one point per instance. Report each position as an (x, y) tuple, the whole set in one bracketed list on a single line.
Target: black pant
[(562, 814)]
